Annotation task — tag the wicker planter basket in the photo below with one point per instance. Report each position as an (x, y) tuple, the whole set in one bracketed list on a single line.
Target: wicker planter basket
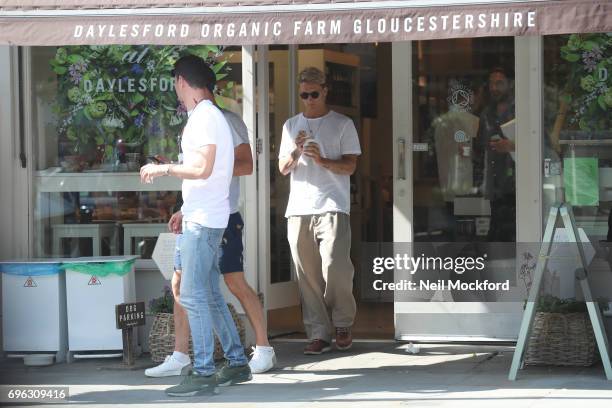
[(161, 336), (561, 339)]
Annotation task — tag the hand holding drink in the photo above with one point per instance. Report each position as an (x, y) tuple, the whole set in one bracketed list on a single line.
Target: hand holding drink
[(299, 144), (301, 139), (306, 145), (312, 150)]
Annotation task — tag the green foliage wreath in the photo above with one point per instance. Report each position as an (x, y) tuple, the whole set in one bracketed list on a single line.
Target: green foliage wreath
[(588, 90), (107, 93)]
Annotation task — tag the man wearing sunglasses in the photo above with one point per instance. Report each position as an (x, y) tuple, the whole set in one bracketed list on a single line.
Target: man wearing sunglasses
[(319, 149)]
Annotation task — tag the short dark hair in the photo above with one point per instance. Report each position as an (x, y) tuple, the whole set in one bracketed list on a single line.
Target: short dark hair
[(196, 72), (501, 70)]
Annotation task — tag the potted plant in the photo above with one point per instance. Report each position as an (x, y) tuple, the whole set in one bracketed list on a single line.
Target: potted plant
[(161, 335), (561, 334)]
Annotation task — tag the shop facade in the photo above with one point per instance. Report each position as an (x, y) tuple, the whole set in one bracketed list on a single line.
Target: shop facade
[(414, 79)]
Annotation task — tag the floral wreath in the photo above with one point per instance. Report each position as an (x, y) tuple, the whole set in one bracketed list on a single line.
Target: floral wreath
[(588, 93), (117, 92)]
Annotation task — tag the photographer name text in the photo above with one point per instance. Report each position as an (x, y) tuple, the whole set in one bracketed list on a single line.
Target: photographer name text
[(441, 284)]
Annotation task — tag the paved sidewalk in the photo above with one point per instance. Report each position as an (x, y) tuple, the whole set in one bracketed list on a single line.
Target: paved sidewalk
[(370, 375)]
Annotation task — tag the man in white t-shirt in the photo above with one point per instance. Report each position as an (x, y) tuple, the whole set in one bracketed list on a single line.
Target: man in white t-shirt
[(208, 161), (319, 148), (230, 265)]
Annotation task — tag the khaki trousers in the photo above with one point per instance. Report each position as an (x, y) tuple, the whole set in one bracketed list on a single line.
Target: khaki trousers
[(320, 247)]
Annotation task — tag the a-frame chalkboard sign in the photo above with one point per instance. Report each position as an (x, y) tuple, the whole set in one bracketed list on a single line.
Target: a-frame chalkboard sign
[(565, 212)]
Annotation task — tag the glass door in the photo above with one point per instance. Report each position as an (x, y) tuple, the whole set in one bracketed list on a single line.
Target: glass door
[(274, 98), (455, 188)]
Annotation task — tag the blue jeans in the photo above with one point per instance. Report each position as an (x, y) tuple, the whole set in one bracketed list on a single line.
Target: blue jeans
[(202, 299)]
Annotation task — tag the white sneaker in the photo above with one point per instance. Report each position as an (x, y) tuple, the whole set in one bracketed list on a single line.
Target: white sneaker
[(170, 367), (262, 360)]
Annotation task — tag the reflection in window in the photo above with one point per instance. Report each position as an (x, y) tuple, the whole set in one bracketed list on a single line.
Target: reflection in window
[(578, 123), (464, 176)]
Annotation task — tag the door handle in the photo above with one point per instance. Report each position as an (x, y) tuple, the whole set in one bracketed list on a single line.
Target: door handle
[(401, 159), (20, 105)]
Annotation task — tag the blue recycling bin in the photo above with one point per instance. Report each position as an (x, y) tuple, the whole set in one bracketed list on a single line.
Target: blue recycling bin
[(34, 307)]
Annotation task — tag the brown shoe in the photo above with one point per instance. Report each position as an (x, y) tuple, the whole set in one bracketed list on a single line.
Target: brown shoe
[(344, 340), (317, 346)]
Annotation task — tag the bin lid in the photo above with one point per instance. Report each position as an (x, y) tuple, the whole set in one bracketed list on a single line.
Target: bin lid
[(100, 259), (20, 261), (51, 266), (101, 265), (97, 259), (28, 268)]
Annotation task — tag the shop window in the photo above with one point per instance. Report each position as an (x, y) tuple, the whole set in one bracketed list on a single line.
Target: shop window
[(577, 141), (577, 152), (99, 114)]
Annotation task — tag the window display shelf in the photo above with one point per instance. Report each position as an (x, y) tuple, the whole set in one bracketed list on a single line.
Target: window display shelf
[(586, 142), (593, 226), (53, 180)]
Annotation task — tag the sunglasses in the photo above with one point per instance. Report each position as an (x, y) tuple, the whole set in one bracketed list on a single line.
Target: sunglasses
[(313, 95)]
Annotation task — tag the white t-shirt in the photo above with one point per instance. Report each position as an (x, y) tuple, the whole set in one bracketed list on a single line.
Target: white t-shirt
[(314, 189), (452, 130), (240, 135), (206, 202)]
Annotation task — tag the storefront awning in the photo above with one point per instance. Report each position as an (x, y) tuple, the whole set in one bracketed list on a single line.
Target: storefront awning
[(80, 22)]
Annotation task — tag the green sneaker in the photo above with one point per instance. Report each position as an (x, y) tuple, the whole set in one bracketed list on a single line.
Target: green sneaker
[(194, 384), (227, 375)]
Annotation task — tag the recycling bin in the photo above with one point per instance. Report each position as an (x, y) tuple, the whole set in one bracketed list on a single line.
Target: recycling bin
[(94, 286), (33, 307)]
